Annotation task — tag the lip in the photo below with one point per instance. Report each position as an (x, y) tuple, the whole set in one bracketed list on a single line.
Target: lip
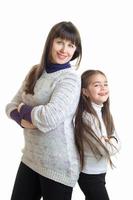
[(61, 56), (103, 94)]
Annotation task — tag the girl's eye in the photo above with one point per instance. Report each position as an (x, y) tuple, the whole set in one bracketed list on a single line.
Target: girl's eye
[(96, 85), (106, 84)]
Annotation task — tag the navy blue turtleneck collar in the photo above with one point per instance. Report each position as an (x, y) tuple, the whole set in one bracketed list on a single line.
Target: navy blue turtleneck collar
[(56, 67)]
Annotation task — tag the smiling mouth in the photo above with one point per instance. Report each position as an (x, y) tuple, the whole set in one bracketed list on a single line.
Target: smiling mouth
[(61, 56), (105, 94)]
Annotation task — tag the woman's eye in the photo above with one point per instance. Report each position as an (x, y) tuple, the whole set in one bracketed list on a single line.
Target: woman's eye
[(72, 45), (59, 42)]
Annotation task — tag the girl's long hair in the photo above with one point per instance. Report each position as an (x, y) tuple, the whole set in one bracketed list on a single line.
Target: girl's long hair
[(83, 130), (64, 30)]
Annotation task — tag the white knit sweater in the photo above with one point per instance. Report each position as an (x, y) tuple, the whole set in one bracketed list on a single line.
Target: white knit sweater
[(50, 148)]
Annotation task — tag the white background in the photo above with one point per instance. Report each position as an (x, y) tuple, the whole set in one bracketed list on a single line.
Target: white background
[(106, 29)]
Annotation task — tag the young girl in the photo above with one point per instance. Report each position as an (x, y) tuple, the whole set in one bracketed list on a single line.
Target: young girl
[(44, 106), (95, 134)]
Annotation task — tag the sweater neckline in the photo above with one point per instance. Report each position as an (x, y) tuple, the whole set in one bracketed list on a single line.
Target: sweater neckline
[(57, 67), (97, 107)]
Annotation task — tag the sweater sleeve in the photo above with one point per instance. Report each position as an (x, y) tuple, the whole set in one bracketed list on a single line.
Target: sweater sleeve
[(113, 144), (13, 105), (62, 104), (17, 99)]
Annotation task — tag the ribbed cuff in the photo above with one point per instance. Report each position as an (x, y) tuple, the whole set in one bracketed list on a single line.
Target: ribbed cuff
[(25, 112), (16, 116)]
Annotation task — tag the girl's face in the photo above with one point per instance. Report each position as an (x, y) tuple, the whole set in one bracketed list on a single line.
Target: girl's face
[(62, 51), (97, 89)]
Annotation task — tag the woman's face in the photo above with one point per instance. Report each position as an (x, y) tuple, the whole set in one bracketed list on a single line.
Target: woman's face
[(62, 51), (97, 90)]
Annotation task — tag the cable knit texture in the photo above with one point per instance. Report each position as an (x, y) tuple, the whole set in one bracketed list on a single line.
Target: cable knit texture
[(50, 148)]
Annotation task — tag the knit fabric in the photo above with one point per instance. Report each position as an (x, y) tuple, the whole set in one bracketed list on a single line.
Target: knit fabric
[(92, 164), (25, 112), (16, 116), (50, 148)]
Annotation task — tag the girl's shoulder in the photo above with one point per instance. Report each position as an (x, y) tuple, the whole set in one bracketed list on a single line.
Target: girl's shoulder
[(86, 116)]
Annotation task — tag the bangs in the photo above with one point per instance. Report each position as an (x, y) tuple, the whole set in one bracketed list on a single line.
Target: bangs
[(68, 35), (65, 31)]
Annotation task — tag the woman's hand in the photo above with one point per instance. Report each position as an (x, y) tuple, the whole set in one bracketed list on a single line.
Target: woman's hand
[(27, 124), (19, 107)]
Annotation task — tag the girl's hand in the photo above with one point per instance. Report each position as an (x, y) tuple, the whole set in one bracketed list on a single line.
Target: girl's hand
[(27, 124), (104, 139)]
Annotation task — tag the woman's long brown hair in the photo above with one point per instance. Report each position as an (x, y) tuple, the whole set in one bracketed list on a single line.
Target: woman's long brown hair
[(64, 30), (83, 131)]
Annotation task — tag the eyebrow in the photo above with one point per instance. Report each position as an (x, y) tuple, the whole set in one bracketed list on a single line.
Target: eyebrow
[(99, 82)]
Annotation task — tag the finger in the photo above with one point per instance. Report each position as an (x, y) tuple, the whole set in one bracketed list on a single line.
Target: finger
[(27, 124), (19, 107)]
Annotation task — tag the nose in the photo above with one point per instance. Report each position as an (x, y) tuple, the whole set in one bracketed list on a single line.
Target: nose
[(63, 48), (102, 87)]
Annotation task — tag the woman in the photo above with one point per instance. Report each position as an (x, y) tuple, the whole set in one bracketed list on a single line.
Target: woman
[(44, 106)]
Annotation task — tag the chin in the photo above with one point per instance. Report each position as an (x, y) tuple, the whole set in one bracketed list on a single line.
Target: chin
[(61, 62)]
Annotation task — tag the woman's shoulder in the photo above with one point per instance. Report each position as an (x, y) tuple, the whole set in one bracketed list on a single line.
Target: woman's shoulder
[(71, 73), (32, 68)]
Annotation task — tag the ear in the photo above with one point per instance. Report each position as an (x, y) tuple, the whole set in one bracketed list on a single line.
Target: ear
[(84, 92)]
